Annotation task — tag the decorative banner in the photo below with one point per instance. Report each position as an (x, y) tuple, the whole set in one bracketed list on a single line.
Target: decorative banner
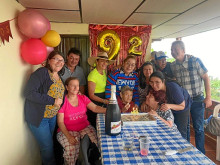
[(5, 31), (137, 34)]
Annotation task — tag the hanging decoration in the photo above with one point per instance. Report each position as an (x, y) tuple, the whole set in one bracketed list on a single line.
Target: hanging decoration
[(32, 23), (135, 42), (104, 38), (5, 31), (51, 38), (33, 51), (109, 42)]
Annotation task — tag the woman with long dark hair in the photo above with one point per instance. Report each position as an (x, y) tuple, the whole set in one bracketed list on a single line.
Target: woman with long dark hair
[(145, 71), (178, 100)]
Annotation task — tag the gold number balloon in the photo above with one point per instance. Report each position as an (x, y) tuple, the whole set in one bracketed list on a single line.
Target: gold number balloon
[(135, 42), (109, 41)]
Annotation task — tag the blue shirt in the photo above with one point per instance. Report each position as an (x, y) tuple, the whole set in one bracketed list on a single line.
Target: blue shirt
[(176, 95)]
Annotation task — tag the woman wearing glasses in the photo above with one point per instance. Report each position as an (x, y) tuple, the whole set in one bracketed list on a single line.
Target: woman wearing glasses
[(124, 76), (178, 100), (43, 97)]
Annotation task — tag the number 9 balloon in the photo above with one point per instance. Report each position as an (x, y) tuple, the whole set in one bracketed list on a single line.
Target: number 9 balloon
[(135, 42), (109, 41)]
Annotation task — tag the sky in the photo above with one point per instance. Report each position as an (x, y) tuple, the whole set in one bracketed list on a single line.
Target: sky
[(204, 45)]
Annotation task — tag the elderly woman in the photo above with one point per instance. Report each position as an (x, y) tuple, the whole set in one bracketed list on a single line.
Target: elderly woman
[(153, 101), (145, 71), (124, 76), (97, 82), (178, 100), (72, 121), (43, 97)]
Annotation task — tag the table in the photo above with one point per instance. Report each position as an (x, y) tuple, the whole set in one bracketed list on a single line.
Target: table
[(162, 138)]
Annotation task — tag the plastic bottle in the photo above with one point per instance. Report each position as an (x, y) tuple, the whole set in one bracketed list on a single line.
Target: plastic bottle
[(113, 115)]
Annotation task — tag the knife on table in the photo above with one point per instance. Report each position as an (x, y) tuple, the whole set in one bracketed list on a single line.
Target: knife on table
[(172, 152)]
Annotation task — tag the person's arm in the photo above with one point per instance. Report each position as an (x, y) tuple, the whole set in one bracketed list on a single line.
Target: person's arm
[(60, 122), (91, 91), (167, 122), (111, 80), (176, 107), (96, 108), (34, 84), (207, 101), (135, 92)]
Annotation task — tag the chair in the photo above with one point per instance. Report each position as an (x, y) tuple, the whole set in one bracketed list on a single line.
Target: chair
[(215, 114), (88, 153)]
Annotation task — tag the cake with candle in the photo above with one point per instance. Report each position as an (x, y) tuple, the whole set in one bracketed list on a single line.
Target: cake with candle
[(136, 118)]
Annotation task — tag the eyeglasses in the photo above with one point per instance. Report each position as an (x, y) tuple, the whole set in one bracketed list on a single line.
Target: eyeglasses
[(58, 60), (129, 64)]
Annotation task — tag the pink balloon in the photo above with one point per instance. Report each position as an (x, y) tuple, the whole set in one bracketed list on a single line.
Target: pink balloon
[(49, 49), (33, 51), (49, 25), (32, 23)]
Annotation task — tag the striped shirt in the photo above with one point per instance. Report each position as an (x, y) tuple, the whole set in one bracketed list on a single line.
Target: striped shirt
[(189, 74), (119, 79)]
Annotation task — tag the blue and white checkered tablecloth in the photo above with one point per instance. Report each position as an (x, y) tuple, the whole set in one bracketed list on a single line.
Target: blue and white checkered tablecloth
[(162, 138)]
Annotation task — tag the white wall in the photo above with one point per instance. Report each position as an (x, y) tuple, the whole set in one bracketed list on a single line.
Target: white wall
[(17, 143)]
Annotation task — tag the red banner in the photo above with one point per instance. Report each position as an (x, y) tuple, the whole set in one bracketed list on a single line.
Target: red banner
[(5, 31), (125, 34)]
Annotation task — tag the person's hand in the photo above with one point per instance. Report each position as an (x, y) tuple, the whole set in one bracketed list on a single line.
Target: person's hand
[(58, 102), (208, 102), (164, 107), (153, 113), (72, 140), (105, 101), (126, 107)]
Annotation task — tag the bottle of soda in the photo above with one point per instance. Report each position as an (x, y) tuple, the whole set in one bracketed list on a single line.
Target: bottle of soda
[(113, 115)]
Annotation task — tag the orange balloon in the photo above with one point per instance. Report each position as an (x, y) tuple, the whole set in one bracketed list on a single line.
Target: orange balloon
[(51, 38)]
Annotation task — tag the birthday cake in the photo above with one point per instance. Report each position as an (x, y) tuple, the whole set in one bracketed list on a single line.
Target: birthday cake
[(137, 119)]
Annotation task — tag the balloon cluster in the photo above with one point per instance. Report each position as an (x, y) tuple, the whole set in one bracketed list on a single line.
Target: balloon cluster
[(42, 39)]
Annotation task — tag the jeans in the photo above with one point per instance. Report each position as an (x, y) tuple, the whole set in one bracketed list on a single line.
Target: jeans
[(44, 137), (197, 114), (182, 121)]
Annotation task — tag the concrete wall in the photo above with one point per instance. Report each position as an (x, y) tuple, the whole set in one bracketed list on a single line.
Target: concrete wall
[(17, 143)]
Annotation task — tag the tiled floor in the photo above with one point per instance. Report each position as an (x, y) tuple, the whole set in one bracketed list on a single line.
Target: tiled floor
[(210, 147)]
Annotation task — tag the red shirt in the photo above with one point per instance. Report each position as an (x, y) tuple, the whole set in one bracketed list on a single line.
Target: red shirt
[(122, 105)]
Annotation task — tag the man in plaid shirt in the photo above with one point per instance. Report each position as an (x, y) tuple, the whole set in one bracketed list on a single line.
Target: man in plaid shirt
[(190, 72)]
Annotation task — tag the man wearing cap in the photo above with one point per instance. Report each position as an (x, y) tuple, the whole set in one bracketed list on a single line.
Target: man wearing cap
[(190, 72), (162, 65), (71, 68)]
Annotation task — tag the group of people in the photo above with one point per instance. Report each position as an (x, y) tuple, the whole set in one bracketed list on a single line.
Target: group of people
[(168, 91)]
